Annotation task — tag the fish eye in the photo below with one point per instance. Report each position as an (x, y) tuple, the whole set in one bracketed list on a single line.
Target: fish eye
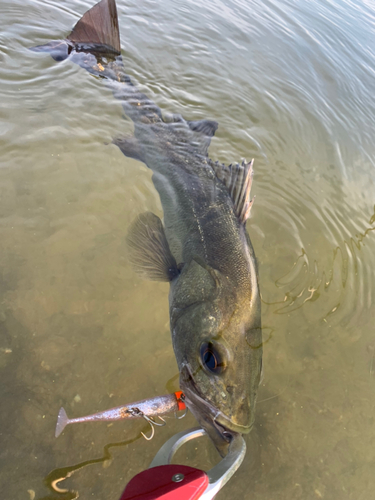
[(211, 358)]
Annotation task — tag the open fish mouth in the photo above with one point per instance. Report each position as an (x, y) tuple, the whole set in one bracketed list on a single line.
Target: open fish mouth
[(214, 421)]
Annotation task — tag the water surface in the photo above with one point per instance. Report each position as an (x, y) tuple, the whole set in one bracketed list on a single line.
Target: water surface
[(291, 84)]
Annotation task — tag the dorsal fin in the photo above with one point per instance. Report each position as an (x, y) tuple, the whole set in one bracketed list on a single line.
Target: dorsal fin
[(238, 179), (98, 26)]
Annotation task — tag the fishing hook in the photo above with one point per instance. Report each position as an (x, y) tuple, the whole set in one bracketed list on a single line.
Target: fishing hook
[(150, 420), (182, 416), (152, 433), (182, 398), (152, 423)]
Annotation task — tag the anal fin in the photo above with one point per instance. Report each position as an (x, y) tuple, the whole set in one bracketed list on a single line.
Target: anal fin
[(129, 146), (149, 250), (205, 127), (203, 130)]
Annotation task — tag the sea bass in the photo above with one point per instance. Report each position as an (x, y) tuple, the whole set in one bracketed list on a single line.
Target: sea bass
[(201, 247)]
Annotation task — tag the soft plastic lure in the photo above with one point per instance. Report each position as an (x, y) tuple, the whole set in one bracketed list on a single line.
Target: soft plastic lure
[(146, 408)]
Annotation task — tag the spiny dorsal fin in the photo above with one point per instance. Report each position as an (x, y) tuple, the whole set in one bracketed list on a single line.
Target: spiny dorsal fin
[(149, 249), (238, 179), (98, 26)]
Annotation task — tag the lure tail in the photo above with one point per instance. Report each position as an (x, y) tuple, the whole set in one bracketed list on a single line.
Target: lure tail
[(62, 422)]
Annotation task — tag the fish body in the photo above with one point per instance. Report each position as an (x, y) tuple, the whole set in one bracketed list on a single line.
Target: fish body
[(202, 247)]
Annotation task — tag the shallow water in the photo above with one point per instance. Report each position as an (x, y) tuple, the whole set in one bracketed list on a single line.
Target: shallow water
[(291, 84)]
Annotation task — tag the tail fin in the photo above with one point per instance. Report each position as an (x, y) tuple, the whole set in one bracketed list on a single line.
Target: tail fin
[(96, 32), (62, 422), (98, 26)]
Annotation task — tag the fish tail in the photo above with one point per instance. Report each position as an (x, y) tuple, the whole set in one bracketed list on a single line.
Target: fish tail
[(94, 44), (97, 33), (62, 422), (98, 27)]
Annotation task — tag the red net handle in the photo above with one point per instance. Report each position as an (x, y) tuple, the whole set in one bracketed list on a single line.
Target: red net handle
[(167, 482)]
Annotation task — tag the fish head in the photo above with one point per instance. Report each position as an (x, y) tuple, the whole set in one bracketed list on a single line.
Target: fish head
[(217, 339)]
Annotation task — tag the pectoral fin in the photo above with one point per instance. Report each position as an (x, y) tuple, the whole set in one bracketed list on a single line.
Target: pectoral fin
[(149, 249), (238, 179)]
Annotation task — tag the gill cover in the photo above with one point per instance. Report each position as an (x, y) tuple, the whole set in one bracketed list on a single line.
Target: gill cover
[(197, 283)]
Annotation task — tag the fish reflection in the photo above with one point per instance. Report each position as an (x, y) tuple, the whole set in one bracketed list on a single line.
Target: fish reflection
[(201, 248)]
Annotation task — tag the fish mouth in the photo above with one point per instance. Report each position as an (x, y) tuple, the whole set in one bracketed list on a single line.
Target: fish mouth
[(218, 426)]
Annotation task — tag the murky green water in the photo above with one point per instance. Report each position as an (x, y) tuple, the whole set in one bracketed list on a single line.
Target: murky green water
[(291, 84)]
